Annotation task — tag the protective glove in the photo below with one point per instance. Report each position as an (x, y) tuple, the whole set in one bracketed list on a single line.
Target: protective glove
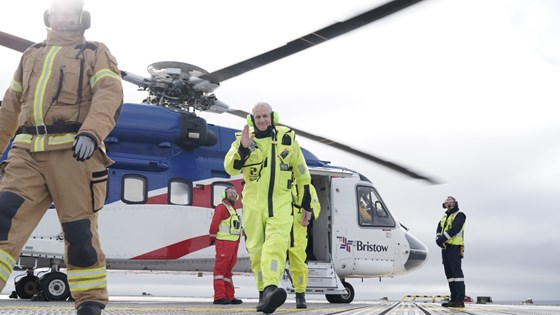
[(441, 240), (212, 241), (83, 147)]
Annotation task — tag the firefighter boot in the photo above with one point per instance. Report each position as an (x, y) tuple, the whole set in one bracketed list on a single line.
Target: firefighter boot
[(300, 300), (273, 297), (90, 308)]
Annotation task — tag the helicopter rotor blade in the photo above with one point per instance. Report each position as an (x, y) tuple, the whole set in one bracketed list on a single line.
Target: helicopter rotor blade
[(14, 42), (309, 40), (393, 166)]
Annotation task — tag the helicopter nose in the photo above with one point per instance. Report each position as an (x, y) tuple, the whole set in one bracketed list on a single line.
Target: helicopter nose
[(418, 253)]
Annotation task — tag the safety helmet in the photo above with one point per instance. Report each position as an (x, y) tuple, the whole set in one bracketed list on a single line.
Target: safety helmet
[(69, 5)]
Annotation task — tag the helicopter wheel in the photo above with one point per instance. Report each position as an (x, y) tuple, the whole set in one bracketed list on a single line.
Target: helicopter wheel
[(54, 286), (342, 298), (27, 286)]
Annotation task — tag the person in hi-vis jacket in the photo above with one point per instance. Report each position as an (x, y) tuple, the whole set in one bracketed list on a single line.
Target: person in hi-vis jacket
[(268, 155), (297, 255), (225, 232)]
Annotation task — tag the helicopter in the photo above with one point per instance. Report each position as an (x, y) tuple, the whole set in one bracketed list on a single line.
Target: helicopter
[(153, 141)]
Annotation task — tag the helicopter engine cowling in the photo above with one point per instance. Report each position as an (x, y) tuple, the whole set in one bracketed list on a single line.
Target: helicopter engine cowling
[(160, 125)]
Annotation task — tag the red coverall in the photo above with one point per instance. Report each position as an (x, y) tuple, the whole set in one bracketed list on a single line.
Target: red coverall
[(226, 254)]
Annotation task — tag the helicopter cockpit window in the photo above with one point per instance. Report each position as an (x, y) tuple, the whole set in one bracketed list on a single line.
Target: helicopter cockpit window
[(179, 192), (371, 210), (134, 189), (217, 190)]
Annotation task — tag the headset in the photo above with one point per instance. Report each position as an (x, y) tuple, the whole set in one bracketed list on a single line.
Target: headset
[(273, 118), (85, 19), (224, 195), (456, 204)]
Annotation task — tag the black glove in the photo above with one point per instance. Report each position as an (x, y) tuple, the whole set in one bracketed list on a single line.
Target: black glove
[(212, 242), (84, 146), (441, 240)]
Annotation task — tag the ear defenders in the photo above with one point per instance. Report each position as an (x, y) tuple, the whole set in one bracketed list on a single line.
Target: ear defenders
[(224, 195), (85, 19), (454, 201), (251, 119)]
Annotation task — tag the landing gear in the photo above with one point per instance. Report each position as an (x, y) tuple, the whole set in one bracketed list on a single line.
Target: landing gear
[(342, 298), (50, 286), (54, 286), (27, 286)]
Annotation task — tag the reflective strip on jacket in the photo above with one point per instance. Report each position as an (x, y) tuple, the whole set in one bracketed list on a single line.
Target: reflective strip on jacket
[(46, 88)]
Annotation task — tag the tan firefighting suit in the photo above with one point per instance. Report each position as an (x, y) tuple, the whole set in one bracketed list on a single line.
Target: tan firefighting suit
[(296, 252), (267, 199), (62, 87)]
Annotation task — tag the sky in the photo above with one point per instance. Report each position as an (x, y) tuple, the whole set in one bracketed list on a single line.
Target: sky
[(465, 91)]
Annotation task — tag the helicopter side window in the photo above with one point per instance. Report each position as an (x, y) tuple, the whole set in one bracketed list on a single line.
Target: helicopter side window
[(371, 210), (179, 192), (134, 189)]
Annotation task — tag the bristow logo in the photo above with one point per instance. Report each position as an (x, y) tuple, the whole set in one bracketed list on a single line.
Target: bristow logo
[(346, 243), (360, 246)]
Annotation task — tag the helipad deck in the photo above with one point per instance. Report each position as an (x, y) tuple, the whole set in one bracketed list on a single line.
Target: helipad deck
[(155, 307)]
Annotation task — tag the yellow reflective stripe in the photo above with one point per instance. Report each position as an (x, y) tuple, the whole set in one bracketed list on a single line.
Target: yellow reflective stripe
[(85, 273), (88, 285), (39, 144), (24, 137), (42, 84), (16, 86), (87, 279), (66, 138), (101, 74), (7, 263)]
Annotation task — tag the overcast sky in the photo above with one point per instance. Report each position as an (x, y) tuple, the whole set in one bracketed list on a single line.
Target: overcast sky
[(466, 91)]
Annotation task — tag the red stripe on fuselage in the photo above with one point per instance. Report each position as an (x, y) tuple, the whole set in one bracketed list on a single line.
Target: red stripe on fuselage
[(177, 250), (201, 198)]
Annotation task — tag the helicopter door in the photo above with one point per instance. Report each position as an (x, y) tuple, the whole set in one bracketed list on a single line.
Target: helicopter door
[(342, 205)]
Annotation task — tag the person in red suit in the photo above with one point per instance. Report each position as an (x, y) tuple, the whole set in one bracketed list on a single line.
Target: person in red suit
[(225, 232)]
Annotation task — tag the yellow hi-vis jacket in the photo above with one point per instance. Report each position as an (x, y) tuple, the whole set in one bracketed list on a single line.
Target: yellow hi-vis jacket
[(230, 228), (297, 195), (66, 80), (268, 168), (446, 223)]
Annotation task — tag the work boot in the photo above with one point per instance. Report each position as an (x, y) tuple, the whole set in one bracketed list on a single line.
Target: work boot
[(90, 308), (222, 301), (260, 304), (445, 304), (236, 301), (273, 297), (456, 303), (300, 300)]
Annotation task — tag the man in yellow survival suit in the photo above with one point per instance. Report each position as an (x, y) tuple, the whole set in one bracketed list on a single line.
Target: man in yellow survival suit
[(268, 155), (297, 251), (63, 101)]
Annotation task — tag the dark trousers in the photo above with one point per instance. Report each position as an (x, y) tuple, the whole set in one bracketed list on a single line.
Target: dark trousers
[(451, 257)]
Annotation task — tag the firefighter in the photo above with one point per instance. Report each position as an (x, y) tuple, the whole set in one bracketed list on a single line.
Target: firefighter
[(63, 101), (449, 236), (268, 155), (297, 251), (225, 232)]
